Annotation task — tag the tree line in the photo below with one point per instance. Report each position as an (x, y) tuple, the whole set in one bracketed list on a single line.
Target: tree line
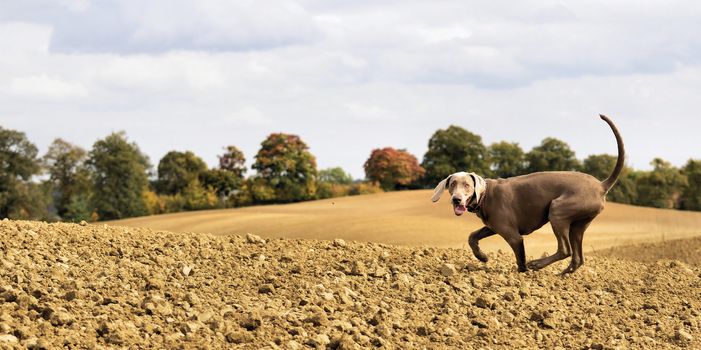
[(115, 180)]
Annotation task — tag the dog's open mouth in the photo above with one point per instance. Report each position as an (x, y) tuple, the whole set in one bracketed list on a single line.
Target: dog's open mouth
[(459, 209)]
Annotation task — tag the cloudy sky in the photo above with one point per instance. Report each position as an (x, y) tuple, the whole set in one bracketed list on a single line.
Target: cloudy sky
[(350, 76)]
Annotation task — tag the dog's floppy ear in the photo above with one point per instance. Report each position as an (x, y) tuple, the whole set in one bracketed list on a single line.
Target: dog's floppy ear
[(438, 191), (479, 186)]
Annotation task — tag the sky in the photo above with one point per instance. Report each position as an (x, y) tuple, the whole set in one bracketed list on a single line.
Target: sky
[(351, 76)]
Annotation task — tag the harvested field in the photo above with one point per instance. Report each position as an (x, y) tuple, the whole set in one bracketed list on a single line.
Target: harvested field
[(93, 286)]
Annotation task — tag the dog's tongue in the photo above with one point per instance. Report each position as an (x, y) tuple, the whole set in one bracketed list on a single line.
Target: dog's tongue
[(460, 209)]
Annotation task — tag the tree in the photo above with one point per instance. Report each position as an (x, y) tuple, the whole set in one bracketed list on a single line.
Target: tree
[(119, 177), (451, 150), (286, 170), (222, 182), (229, 177), (333, 182), (551, 155), (507, 159), (392, 168), (691, 197), (335, 176), (70, 180), (600, 166), (19, 197), (661, 187), (234, 161), (176, 170)]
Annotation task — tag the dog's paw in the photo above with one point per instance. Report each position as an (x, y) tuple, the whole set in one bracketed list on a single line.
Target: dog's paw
[(481, 257), (534, 265)]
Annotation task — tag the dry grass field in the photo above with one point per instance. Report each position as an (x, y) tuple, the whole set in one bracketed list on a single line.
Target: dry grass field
[(409, 218)]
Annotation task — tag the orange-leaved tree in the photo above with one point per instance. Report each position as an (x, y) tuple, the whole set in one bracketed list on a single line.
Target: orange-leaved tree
[(392, 168)]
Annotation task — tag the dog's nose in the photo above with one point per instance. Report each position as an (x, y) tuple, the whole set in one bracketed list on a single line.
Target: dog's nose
[(456, 201)]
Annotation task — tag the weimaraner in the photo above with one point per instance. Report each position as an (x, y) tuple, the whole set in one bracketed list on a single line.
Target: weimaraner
[(519, 205)]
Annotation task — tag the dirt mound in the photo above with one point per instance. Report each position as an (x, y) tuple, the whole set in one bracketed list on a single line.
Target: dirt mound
[(96, 286), (685, 250)]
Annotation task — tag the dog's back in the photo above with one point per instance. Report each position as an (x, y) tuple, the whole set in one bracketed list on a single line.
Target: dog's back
[(530, 196)]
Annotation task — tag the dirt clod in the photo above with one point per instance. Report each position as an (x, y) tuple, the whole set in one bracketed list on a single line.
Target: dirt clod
[(448, 270)]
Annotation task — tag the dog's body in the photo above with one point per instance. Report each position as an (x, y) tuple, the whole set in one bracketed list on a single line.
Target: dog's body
[(517, 206)]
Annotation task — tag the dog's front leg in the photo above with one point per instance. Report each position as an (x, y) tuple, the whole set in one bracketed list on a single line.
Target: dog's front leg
[(474, 239), (516, 242)]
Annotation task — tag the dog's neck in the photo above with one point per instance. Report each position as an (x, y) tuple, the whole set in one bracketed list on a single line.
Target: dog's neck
[(475, 208)]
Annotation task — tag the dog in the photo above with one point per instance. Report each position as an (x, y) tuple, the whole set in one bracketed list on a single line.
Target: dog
[(516, 206)]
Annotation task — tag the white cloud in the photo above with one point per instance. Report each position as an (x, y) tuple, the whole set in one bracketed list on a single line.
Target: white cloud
[(23, 37), (369, 113), (44, 87)]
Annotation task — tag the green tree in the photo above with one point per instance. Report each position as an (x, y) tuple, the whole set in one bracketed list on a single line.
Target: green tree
[(335, 176), (120, 177), (233, 161), (661, 187), (507, 159), (691, 197), (600, 166), (176, 170), (392, 168), (19, 197), (286, 170), (70, 180), (551, 155), (451, 150), (222, 182)]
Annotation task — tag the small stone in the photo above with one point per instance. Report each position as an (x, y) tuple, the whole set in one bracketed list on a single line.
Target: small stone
[(70, 295), (339, 243), (192, 298), (187, 270), (448, 270), (317, 318), (83, 223), (358, 268), (61, 318), (320, 341), (250, 321), (294, 345), (380, 272), (483, 302), (266, 289), (205, 316), (682, 335), (238, 337), (254, 239), (154, 283), (508, 296), (8, 339)]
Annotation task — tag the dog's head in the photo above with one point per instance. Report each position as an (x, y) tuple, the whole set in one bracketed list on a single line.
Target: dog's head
[(465, 190)]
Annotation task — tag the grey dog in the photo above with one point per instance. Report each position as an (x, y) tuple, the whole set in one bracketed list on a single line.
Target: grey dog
[(519, 205)]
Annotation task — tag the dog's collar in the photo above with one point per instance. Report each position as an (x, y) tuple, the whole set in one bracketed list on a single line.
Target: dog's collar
[(478, 206)]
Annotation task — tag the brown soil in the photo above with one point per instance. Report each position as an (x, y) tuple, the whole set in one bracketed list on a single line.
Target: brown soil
[(66, 285)]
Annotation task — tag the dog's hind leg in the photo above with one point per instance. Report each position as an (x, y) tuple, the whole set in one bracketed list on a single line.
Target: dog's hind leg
[(561, 227), (474, 239), (576, 235)]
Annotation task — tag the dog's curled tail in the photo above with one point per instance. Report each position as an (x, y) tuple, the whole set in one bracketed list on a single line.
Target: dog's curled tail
[(611, 180)]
